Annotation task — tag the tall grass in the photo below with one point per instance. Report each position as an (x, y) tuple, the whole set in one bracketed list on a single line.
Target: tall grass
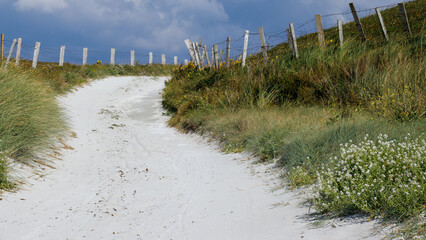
[(30, 118)]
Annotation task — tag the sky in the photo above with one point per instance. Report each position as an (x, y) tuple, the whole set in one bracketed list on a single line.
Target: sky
[(158, 26)]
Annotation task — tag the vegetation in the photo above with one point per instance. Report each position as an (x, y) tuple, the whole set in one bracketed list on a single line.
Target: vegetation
[(30, 118), (62, 79), (299, 111), (375, 176)]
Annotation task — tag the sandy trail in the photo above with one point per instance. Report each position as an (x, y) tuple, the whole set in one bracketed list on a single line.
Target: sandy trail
[(132, 177)]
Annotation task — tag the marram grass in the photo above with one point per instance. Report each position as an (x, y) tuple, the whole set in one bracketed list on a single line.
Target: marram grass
[(30, 119)]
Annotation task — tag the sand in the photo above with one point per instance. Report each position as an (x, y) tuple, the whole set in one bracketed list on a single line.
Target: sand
[(130, 176)]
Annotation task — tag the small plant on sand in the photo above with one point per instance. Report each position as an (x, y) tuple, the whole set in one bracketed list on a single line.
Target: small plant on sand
[(382, 177)]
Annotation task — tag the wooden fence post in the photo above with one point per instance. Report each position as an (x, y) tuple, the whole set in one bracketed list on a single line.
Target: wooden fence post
[(404, 19), (163, 59), (198, 53), (244, 57), (357, 22), (209, 64), (132, 57), (112, 59), (228, 51), (150, 58), (220, 55), (289, 41), (188, 44), (294, 40), (216, 56), (186, 61), (12, 47), (18, 52), (382, 24), (203, 54), (2, 47), (320, 30), (85, 50), (340, 27), (175, 60), (36, 53), (197, 59), (213, 56), (263, 44), (62, 56)]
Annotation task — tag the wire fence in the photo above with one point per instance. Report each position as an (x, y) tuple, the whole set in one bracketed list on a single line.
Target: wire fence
[(306, 31), (75, 56), (303, 31)]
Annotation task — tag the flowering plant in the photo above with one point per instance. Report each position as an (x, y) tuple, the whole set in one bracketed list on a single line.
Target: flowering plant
[(375, 176)]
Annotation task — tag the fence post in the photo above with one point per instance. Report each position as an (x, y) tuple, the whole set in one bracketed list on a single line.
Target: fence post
[(175, 60), (85, 50), (246, 37), (188, 44), (112, 59), (18, 52), (290, 41), (263, 44), (150, 58), (320, 30), (216, 56), (197, 60), (294, 40), (62, 56), (340, 27), (186, 61), (213, 57), (12, 47), (206, 53), (132, 57), (163, 59), (228, 51), (36, 53), (2, 48), (382, 24), (220, 55), (198, 53), (357, 22), (404, 19)]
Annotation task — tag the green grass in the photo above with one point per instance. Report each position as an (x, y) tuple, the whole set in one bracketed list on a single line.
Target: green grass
[(299, 111), (30, 118), (62, 79)]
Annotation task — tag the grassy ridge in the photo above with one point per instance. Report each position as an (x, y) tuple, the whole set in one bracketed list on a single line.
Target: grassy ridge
[(62, 79), (30, 118), (300, 110)]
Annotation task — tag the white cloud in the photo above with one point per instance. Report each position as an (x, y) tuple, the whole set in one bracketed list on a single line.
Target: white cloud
[(41, 5)]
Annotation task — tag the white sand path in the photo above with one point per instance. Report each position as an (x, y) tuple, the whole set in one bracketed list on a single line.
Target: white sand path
[(132, 177)]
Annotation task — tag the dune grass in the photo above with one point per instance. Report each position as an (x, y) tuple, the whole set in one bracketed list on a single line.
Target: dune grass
[(30, 118)]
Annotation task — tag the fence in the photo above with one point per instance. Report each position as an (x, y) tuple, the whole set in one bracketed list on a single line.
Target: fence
[(318, 31), (17, 50)]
